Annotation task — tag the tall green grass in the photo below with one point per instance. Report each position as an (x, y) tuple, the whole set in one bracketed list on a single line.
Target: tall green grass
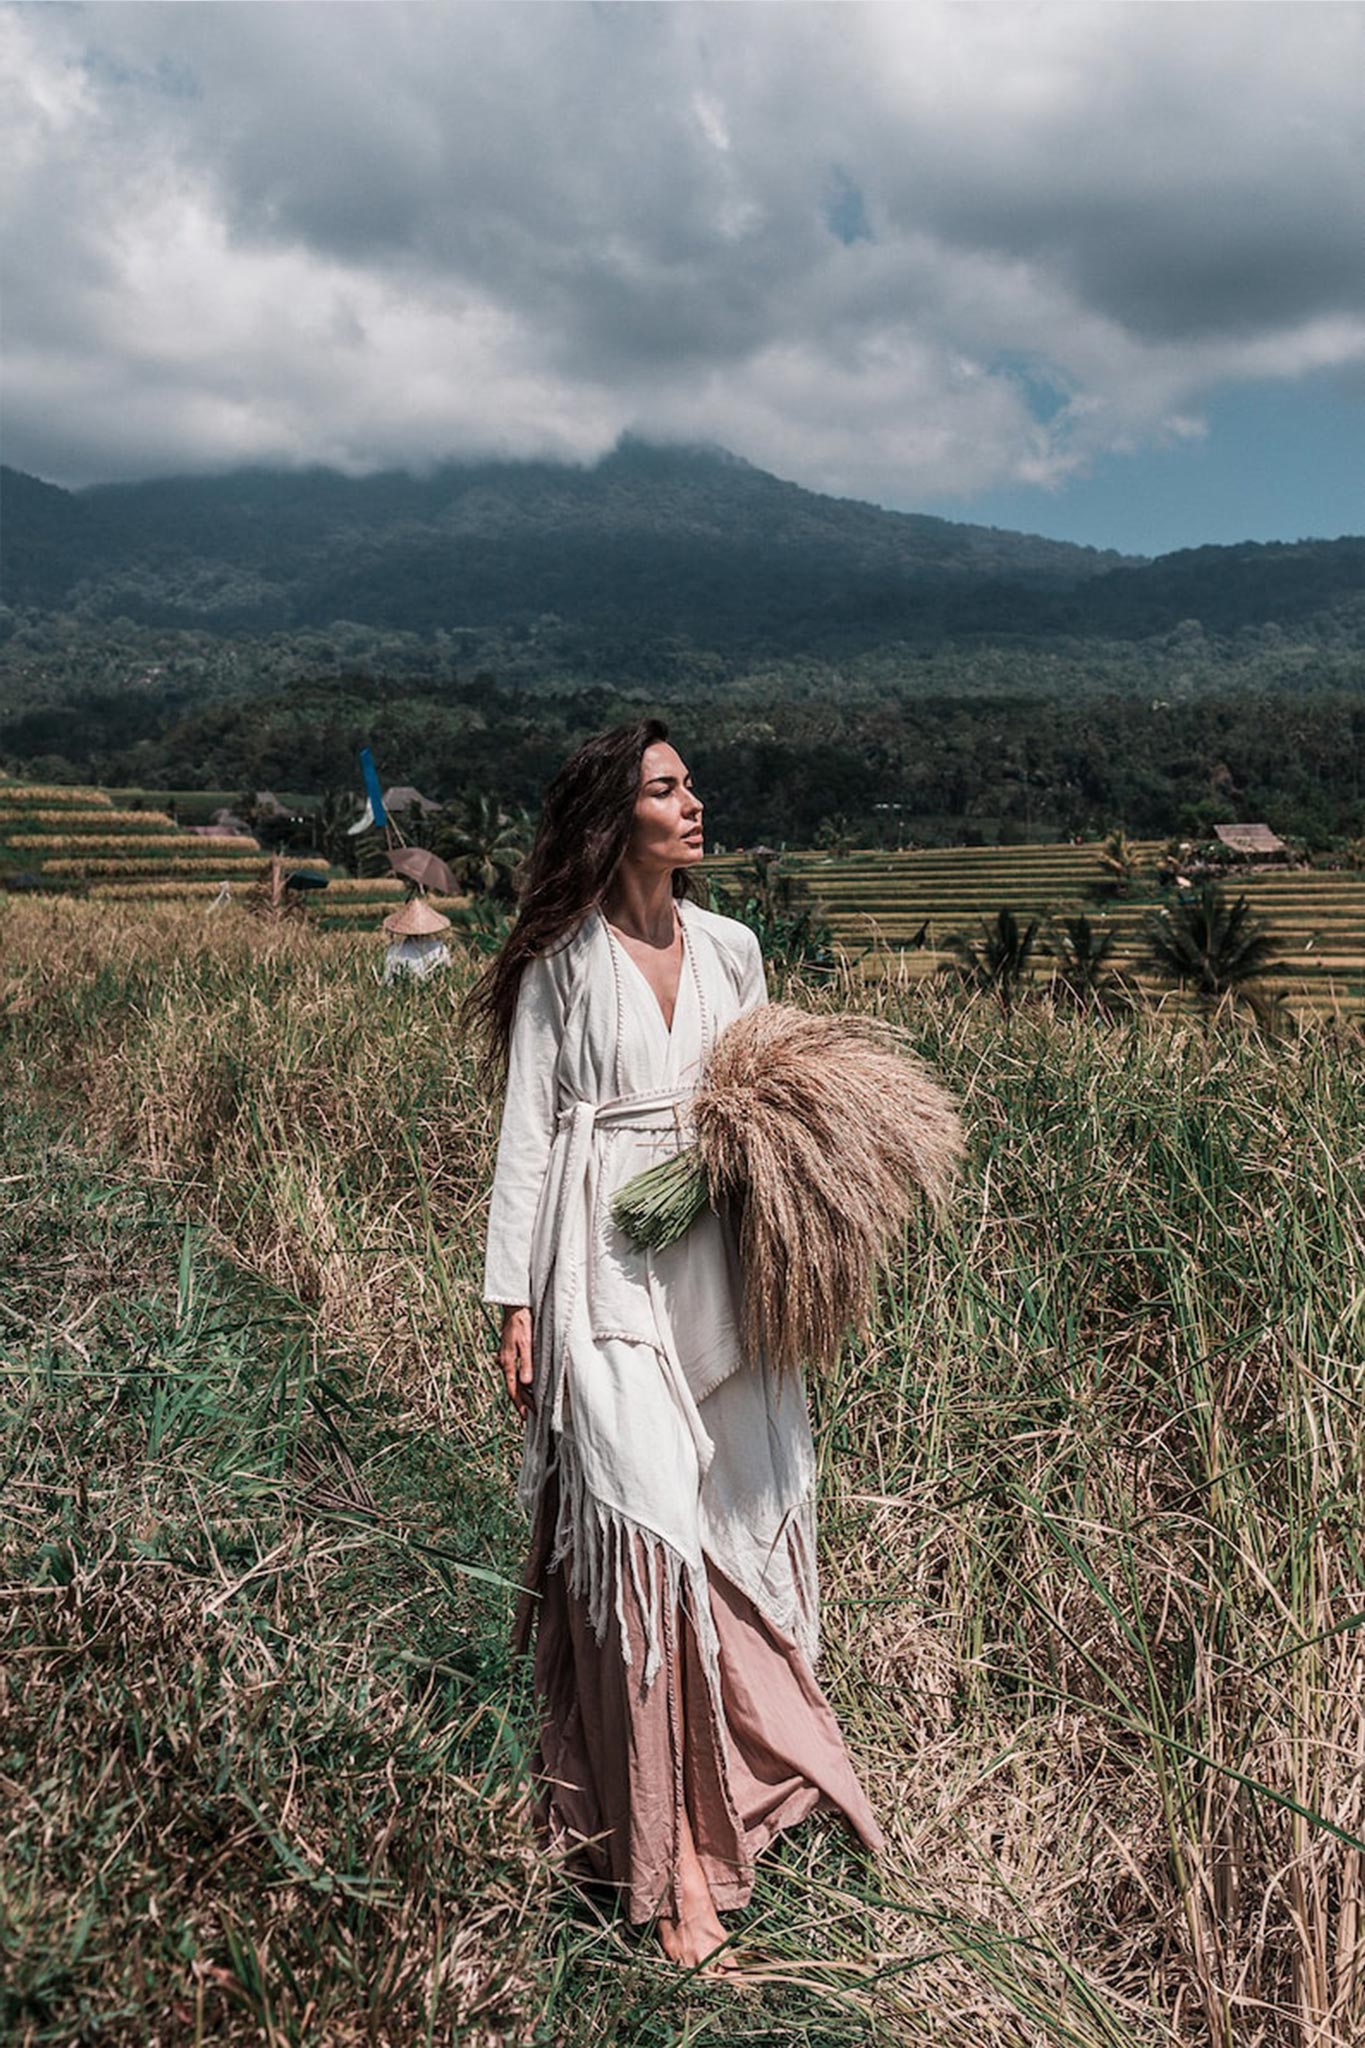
[(1090, 1513)]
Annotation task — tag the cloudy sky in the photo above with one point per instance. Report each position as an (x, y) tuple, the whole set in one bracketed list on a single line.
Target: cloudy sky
[(1094, 270)]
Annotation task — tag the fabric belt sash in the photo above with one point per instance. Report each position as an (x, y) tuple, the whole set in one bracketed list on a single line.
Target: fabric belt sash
[(561, 1254)]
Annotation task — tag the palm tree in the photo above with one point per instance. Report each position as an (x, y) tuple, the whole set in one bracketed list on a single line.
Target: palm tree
[(483, 843), (1120, 860), (329, 827), (779, 909), (999, 959), (1214, 947), (1083, 953), (834, 834)]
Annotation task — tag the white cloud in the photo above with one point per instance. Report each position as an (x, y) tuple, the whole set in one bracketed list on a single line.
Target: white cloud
[(384, 234)]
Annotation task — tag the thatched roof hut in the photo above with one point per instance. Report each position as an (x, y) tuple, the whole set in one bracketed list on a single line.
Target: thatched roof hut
[(1252, 842), (403, 797)]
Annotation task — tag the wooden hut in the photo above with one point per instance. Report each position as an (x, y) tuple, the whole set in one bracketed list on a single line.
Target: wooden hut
[(1252, 842), (403, 798)]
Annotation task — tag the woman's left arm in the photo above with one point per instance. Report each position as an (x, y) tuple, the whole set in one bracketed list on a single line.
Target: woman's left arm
[(753, 986)]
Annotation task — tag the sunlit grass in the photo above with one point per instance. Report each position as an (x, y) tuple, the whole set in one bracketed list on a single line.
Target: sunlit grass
[(1091, 1533)]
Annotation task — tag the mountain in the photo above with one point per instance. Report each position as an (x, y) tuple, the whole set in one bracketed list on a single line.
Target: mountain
[(695, 537), (606, 565), (828, 664)]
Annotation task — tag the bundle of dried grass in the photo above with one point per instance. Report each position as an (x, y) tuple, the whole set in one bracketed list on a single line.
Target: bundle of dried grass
[(821, 1131)]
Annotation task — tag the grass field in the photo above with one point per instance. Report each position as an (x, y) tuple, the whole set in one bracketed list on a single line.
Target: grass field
[(1090, 1518)]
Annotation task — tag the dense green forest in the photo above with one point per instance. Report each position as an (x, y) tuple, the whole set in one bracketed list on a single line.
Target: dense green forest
[(681, 541), (828, 667), (791, 773)]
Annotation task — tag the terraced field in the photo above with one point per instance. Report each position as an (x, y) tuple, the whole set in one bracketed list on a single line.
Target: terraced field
[(67, 839), (889, 911), (877, 903), (354, 901)]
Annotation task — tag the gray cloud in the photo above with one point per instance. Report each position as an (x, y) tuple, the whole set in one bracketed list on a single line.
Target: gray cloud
[(887, 251)]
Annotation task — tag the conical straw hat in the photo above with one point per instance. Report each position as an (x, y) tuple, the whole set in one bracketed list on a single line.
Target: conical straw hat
[(416, 920)]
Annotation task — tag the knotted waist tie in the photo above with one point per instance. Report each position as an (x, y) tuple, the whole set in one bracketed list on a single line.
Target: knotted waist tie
[(562, 1241)]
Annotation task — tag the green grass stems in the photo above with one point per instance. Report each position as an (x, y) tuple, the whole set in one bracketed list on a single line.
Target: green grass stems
[(1091, 1536)]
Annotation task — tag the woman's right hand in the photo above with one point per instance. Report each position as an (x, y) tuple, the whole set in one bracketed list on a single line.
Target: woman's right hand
[(514, 1356)]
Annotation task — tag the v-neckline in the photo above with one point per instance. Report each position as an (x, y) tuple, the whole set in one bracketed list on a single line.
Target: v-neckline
[(614, 938)]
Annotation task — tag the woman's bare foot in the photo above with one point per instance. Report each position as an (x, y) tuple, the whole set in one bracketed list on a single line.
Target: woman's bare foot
[(693, 1938)]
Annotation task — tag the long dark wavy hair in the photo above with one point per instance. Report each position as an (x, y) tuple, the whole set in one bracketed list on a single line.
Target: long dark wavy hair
[(584, 830)]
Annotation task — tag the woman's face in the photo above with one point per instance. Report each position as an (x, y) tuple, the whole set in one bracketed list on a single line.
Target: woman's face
[(666, 832)]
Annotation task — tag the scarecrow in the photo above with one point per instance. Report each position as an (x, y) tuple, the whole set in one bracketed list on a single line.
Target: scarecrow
[(416, 947)]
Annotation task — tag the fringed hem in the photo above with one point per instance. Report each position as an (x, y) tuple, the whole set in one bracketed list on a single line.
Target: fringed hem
[(600, 1548), (618, 1769), (790, 1601)]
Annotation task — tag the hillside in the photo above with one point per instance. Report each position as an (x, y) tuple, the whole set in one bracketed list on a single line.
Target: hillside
[(689, 541), (253, 629), (648, 546)]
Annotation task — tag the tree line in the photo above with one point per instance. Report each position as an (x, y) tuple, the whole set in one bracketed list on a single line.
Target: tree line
[(881, 768)]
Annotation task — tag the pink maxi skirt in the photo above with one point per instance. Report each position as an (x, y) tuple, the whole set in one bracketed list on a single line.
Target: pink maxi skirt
[(617, 1764)]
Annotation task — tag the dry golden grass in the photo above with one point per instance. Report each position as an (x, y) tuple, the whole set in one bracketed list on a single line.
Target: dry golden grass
[(147, 891), (175, 858), (1091, 1494), (100, 818), (366, 885), (55, 793), (132, 842)]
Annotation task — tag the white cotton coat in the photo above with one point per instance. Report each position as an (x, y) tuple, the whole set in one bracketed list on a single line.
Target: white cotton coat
[(655, 1421)]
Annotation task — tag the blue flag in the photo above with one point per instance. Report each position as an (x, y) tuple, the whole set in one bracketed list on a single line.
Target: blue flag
[(370, 776)]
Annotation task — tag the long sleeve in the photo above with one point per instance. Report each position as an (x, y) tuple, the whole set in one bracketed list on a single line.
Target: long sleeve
[(528, 1124), (753, 987)]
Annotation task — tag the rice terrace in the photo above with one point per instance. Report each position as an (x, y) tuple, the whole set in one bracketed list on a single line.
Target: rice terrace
[(895, 911), (1090, 1494)]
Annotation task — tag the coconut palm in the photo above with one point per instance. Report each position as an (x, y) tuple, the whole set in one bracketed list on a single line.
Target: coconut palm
[(1083, 974), (999, 958), (779, 909), (329, 827), (483, 843), (835, 834), (1214, 947), (1120, 860)]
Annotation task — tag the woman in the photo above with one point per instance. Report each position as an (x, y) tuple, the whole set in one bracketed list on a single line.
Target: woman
[(670, 1478)]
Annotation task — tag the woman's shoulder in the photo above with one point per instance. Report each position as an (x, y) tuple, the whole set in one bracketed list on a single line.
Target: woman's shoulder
[(562, 958), (733, 937), (550, 975)]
